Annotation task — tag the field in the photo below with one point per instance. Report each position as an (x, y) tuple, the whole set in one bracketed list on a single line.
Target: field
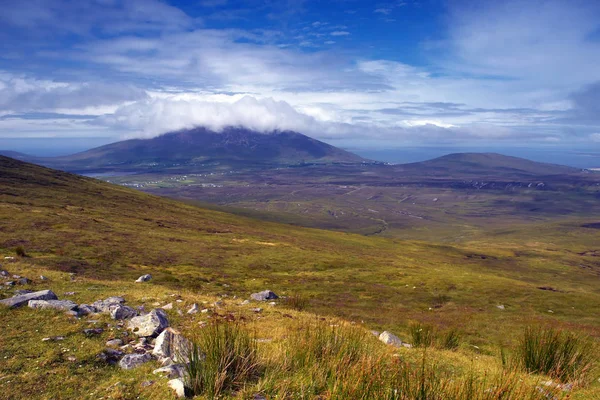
[(545, 272)]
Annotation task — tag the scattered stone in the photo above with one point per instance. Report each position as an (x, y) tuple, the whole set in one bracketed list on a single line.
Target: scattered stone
[(72, 358), (4, 274), (179, 312), (179, 301), (264, 296), (105, 305), (407, 345), (146, 383), (171, 344), (151, 324), (9, 258), (168, 306), (21, 300), (72, 313), (86, 309), (390, 339), (143, 278), (114, 343), (17, 276), (178, 386), (204, 310), (501, 307), (10, 283), (272, 303), (259, 396), (110, 356), (245, 302), (257, 310), (156, 304), (53, 338), (375, 333), (43, 278), (218, 303), (23, 281), (131, 361), (63, 305), (69, 293), (93, 331), (194, 309), (172, 371), (120, 312)]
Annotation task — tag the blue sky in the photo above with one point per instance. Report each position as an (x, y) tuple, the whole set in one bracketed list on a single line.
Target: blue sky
[(354, 73)]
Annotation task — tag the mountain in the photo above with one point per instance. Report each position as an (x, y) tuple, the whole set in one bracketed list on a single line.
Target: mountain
[(233, 147), (16, 155), (483, 165)]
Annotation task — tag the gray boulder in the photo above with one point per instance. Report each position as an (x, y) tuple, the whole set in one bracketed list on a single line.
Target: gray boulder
[(143, 278), (264, 296), (63, 305), (131, 361), (105, 305), (120, 312), (151, 324), (171, 344), (86, 309), (22, 292), (114, 343), (23, 281), (93, 331), (21, 300), (171, 371), (110, 356), (4, 274), (390, 339)]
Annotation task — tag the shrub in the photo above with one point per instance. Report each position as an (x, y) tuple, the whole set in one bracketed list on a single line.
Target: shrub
[(422, 334), (296, 302), (20, 251), (223, 358), (559, 354)]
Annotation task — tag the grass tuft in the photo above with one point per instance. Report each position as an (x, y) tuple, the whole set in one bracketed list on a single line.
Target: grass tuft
[(422, 335), (223, 358), (559, 354), (20, 251)]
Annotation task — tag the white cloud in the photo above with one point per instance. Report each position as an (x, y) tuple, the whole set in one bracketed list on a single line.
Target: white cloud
[(340, 33)]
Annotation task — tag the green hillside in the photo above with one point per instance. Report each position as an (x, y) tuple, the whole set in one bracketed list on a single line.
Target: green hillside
[(108, 235)]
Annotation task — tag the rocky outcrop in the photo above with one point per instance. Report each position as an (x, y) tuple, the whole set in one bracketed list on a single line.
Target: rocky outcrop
[(62, 305), (120, 312), (264, 296), (172, 345), (18, 301), (151, 324), (107, 304), (131, 361)]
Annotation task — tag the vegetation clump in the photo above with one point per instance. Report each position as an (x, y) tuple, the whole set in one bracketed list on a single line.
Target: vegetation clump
[(223, 358), (20, 251), (559, 354)]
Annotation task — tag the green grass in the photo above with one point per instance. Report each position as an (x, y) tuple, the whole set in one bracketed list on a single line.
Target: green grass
[(559, 354), (224, 358), (107, 236)]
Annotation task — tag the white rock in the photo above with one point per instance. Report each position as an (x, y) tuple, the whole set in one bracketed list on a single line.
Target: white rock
[(143, 278), (501, 307), (172, 371), (389, 338), (194, 309), (168, 306), (178, 386), (151, 324), (131, 361), (172, 344)]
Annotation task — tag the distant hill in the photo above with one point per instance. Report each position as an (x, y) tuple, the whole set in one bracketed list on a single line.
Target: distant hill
[(233, 146), (484, 164), (15, 154)]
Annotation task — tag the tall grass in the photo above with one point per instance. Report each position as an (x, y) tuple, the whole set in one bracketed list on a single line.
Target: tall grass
[(223, 358), (422, 335), (559, 354), (450, 340), (341, 362)]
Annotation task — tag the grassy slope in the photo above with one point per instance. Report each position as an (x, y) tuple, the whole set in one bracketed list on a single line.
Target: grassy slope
[(104, 232)]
